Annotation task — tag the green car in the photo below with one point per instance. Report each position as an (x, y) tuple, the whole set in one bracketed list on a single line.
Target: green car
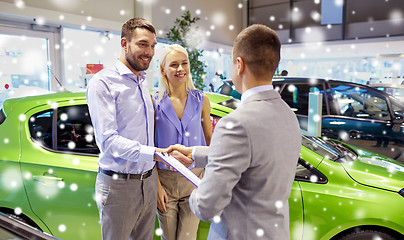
[(48, 166)]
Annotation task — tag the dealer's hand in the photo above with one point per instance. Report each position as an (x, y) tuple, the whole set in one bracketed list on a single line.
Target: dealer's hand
[(186, 161), (187, 151)]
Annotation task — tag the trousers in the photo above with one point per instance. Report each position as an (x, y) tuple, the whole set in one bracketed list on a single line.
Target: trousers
[(127, 207), (178, 222)]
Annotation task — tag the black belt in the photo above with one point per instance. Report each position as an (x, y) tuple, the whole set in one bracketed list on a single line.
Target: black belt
[(125, 175)]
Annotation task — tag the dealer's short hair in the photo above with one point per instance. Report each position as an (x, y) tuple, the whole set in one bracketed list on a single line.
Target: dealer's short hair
[(260, 48), (129, 26)]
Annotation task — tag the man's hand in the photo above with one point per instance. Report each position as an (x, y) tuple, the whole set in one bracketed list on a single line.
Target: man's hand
[(182, 158), (156, 158), (187, 151)]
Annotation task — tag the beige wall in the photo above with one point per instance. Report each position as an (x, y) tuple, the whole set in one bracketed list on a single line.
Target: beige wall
[(108, 15)]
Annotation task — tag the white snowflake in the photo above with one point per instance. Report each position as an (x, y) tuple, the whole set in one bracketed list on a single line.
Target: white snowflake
[(17, 210), (76, 161), (22, 117), (313, 178), (89, 129), (54, 105), (396, 17), (344, 136), (291, 88), (216, 219), (229, 125), (28, 175), (89, 138), (62, 228), (19, 4), (159, 231), (278, 204), (260, 232), (71, 145), (47, 189), (61, 184), (73, 187), (13, 177)]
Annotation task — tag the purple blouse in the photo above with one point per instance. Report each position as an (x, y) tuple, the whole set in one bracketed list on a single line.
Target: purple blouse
[(170, 130)]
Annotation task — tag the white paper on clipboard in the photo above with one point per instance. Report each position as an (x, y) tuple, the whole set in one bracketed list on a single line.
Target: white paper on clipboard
[(174, 163)]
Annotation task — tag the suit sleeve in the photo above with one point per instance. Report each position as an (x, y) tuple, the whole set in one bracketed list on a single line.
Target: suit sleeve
[(200, 155), (229, 156)]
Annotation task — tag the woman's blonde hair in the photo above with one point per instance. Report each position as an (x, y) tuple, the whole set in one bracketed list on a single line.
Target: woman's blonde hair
[(163, 83)]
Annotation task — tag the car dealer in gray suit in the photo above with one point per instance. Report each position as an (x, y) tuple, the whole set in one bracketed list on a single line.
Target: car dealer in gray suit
[(251, 161)]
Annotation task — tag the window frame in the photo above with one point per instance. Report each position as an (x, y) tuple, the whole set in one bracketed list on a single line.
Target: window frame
[(322, 179), (54, 127), (368, 89)]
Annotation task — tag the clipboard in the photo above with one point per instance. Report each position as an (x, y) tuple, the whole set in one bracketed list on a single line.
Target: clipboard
[(174, 163)]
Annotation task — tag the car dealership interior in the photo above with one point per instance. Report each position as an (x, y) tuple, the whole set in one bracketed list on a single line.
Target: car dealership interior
[(341, 72)]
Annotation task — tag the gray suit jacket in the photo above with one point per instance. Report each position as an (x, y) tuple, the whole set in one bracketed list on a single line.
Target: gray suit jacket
[(250, 168)]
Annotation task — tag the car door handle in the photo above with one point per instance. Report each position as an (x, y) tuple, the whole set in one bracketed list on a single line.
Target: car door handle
[(47, 178)]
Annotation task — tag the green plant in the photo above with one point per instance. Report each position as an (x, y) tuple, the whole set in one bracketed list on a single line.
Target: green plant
[(184, 34)]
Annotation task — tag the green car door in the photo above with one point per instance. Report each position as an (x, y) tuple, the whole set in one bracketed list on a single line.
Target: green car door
[(58, 174)]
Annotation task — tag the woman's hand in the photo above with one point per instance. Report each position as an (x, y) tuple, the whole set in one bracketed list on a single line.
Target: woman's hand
[(162, 198)]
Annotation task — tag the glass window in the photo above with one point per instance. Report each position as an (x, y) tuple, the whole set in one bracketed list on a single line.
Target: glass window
[(397, 106), (40, 127), (74, 130), (23, 66), (297, 97), (98, 48), (273, 14), (320, 147), (329, 149), (358, 102), (307, 173), (331, 12)]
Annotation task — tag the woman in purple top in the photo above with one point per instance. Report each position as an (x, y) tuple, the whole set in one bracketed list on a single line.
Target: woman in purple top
[(182, 116)]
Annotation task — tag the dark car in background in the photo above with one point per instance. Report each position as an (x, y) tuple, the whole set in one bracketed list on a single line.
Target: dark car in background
[(357, 114)]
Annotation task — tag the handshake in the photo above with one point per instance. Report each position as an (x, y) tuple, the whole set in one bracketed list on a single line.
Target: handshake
[(181, 153)]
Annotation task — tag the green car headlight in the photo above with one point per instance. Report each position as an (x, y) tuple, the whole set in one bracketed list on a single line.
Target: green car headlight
[(401, 192)]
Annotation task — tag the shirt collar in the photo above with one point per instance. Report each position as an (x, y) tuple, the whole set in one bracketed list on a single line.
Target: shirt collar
[(124, 70), (254, 90)]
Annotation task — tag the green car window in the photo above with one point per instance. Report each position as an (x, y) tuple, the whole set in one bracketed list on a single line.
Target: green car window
[(307, 173), (75, 132), (40, 127)]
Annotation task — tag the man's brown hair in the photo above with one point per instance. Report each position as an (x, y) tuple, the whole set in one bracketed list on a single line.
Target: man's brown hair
[(260, 48), (132, 24)]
